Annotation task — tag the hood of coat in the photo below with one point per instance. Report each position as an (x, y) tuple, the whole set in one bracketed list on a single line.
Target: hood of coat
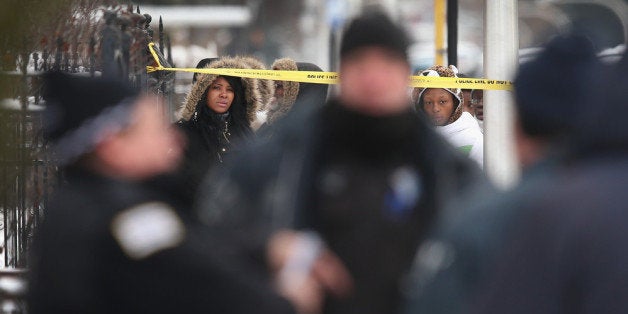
[(266, 87), (303, 94), (252, 94), (440, 71), (311, 94), (281, 107)]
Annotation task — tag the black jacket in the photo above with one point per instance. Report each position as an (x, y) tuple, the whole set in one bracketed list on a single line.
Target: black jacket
[(273, 185), (209, 142), (567, 252), (87, 258)]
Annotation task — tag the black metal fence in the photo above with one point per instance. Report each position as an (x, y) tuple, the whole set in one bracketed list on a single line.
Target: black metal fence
[(110, 41)]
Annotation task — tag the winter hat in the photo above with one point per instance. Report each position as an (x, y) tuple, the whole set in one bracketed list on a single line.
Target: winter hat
[(78, 109), (554, 86), (602, 125), (374, 29), (439, 71), (310, 94)]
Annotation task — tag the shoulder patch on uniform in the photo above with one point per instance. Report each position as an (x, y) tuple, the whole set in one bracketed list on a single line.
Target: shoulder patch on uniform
[(146, 229)]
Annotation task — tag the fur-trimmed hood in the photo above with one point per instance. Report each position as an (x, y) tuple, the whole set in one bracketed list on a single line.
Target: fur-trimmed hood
[(280, 107), (253, 97), (295, 92), (266, 87)]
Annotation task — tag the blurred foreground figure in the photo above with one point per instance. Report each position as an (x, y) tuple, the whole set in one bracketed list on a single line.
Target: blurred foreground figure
[(568, 249), (455, 266), (108, 243), (364, 172)]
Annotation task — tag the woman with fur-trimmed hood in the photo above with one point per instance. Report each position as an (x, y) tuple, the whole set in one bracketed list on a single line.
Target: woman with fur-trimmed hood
[(215, 116), (266, 87), (444, 107), (289, 95)]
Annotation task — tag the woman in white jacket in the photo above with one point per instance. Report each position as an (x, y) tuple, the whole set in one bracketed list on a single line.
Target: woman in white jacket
[(444, 108)]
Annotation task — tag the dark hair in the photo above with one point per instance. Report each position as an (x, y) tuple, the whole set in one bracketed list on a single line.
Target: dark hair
[(202, 64), (462, 75), (239, 107)]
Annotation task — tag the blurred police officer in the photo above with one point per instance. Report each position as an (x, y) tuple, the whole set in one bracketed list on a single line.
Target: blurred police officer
[(109, 244)]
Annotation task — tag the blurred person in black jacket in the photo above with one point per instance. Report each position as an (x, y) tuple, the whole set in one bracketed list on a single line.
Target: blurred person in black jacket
[(567, 253), (362, 171), (111, 244)]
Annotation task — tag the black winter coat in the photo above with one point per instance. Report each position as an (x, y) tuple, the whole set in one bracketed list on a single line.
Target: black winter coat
[(272, 185), (89, 258), (206, 148)]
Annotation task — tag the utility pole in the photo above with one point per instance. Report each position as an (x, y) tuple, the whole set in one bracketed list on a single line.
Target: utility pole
[(452, 32), (439, 31), (501, 48)]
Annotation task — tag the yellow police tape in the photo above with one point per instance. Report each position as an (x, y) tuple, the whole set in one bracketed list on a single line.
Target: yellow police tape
[(332, 77)]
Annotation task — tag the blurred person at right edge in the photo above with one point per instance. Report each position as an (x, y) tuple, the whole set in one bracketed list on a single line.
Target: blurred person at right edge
[(456, 267), (364, 172), (568, 251), (445, 109), (291, 95)]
